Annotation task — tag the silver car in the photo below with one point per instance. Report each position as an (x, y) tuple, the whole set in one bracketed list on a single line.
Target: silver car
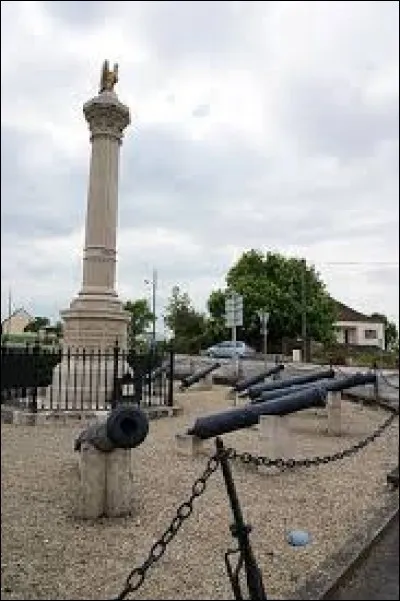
[(229, 349)]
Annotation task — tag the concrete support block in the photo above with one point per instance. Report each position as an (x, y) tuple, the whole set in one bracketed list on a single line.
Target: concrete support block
[(189, 445), (334, 407), (106, 484), (119, 483), (205, 383), (274, 430), (92, 485)]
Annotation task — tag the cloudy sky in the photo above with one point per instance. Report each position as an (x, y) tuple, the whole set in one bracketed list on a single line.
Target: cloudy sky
[(269, 125)]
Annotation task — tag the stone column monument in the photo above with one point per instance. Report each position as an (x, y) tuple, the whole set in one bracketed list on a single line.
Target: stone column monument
[(95, 319)]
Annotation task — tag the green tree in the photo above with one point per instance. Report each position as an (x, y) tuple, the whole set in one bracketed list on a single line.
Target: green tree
[(276, 284), (37, 324), (391, 331), (188, 325), (140, 319), (216, 328)]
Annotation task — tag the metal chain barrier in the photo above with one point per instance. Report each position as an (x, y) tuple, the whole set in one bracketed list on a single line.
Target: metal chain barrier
[(137, 576), (281, 463)]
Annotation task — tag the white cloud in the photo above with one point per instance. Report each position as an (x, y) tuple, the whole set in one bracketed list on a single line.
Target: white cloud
[(269, 125)]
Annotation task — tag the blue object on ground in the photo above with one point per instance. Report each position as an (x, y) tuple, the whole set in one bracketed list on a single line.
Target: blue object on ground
[(298, 538)]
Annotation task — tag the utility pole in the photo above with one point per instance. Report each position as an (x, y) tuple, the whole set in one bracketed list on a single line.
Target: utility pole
[(9, 311), (153, 306), (154, 291), (304, 309)]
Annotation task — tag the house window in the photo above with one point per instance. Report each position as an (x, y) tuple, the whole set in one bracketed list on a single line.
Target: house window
[(370, 335)]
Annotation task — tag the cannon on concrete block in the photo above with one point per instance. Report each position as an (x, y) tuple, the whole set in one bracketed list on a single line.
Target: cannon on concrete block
[(198, 375), (105, 463), (125, 427), (330, 385), (244, 417), (247, 382), (255, 391)]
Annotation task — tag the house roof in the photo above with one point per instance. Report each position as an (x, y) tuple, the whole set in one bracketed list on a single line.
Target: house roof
[(18, 312), (346, 313)]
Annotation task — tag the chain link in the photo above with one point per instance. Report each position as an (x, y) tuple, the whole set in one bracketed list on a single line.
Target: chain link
[(281, 463), (137, 576)]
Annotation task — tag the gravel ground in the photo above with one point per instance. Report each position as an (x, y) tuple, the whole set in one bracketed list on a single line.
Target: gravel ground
[(48, 554)]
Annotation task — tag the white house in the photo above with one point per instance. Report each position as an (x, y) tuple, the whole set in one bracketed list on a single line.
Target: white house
[(353, 327), (16, 322)]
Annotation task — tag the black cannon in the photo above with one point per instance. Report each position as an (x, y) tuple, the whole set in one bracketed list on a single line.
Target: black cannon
[(357, 379), (243, 417), (247, 382), (268, 395), (255, 391), (125, 427), (198, 375)]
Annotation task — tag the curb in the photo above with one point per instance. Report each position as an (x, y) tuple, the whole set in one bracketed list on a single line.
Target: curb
[(24, 418), (337, 568)]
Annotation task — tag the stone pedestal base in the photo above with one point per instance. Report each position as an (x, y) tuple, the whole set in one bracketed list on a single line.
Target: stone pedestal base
[(334, 407), (83, 382), (273, 429), (105, 487), (95, 320)]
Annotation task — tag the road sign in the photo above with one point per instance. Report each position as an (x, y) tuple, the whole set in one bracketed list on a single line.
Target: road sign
[(264, 317), (234, 310)]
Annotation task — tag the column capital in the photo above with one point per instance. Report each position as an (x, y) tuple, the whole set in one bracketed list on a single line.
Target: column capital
[(106, 115)]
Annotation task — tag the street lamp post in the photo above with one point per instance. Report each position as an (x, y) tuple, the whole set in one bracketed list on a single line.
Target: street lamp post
[(304, 309), (153, 306)]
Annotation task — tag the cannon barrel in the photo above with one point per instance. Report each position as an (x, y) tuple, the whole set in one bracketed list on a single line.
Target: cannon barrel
[(125, 427), (247, 382), (268, 395), (255, 391), (243, 417), (198, 375), (357, 379)]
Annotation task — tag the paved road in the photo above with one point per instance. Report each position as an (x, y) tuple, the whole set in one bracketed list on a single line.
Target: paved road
[(378, 576)]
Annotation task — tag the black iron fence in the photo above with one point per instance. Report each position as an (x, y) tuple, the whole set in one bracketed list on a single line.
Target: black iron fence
[(43, 379)]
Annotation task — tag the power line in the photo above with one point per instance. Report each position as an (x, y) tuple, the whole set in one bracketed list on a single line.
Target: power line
[(393, 263)]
